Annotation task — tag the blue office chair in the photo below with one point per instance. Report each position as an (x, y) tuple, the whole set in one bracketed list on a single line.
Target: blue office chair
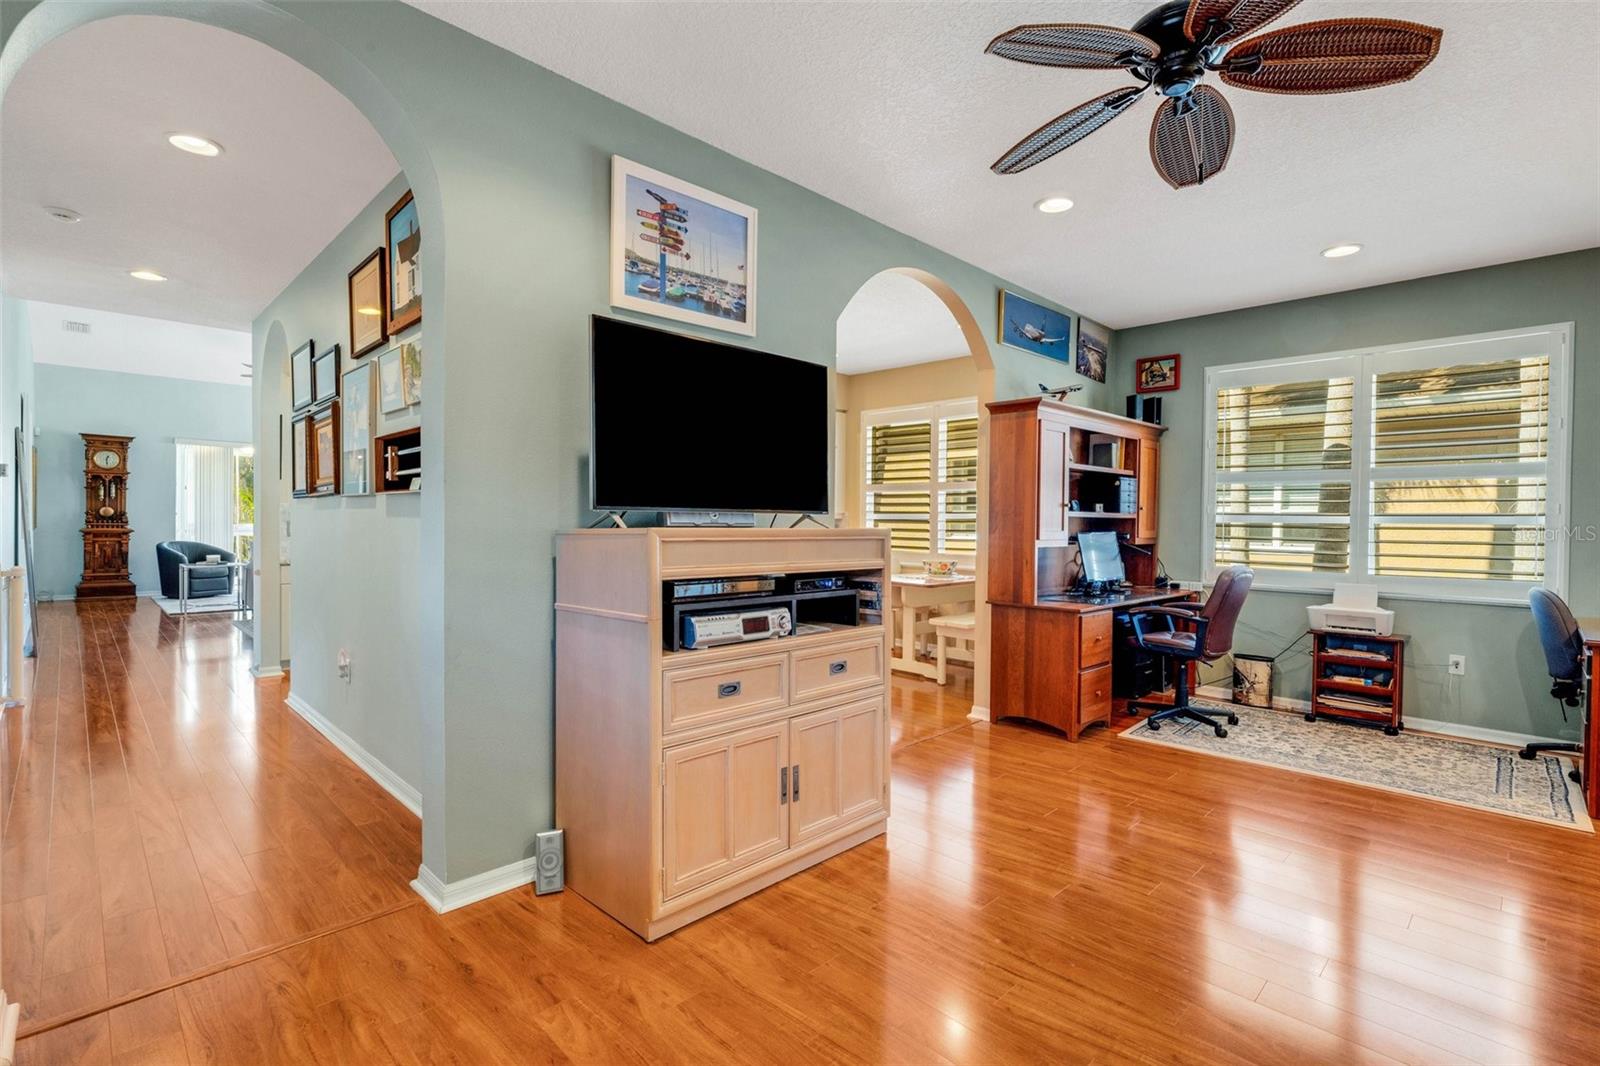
[(1563, 656)]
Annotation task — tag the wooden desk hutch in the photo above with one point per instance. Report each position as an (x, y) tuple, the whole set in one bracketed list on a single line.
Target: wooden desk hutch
[(1051, 465)]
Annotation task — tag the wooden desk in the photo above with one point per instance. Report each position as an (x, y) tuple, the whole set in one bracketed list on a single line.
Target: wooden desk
[(921, 592), (1590, 759), (1051, 662)]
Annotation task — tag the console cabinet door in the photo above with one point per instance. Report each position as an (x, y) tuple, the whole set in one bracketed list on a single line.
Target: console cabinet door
[(722, 806), (838, 767)]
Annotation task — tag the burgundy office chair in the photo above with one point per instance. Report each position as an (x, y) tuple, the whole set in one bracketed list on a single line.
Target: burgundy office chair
[(1211, 638)]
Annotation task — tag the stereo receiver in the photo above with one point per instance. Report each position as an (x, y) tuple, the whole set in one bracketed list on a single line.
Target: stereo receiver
[(734, 627)]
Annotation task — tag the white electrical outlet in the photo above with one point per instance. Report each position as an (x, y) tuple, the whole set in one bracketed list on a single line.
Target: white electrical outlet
[(344, 664), (1458, 664)]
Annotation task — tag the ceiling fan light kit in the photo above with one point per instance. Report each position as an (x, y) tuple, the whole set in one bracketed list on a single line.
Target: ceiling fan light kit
[(1174, 46)]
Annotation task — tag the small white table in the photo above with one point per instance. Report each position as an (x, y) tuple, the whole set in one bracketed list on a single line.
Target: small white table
[(914, 593), (240, 580)]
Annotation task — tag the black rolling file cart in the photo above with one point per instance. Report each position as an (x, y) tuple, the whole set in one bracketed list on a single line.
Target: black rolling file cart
[(1357, 677)]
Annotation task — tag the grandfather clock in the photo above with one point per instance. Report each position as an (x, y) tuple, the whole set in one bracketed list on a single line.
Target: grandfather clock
[(105, 517)]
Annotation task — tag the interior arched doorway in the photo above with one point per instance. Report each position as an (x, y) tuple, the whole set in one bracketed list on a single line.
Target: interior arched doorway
[(913, 303), (283, 31), (292, 32)]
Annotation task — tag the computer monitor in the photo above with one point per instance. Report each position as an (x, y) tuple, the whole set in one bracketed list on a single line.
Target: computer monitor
[(1102, 558)]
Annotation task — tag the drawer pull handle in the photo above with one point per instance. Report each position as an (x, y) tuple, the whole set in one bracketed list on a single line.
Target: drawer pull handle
[(838, 666), (729, 688)]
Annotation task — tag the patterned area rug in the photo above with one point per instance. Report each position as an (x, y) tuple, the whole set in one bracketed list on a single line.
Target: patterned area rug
[(1462, 772)]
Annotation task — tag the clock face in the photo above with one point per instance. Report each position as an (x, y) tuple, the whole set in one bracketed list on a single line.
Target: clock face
[(106, 459)]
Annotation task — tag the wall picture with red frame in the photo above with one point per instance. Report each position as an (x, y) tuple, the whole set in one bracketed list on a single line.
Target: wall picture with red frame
[(1156, 373)]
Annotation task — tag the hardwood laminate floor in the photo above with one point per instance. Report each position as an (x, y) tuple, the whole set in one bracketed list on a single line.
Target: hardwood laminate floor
[(1033, 901)]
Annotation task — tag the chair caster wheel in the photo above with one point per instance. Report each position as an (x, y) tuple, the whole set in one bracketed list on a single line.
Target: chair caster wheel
[(1577, 777), (1233, 719), (1311, 718), (1390, 731), (1155, 727), (1529, 755), (1221, 732)]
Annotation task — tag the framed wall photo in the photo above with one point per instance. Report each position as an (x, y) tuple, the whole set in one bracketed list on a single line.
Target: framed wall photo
[(300, 463), (300, 376), (1157, 373), (391, 390), (325, 375), (369, 323), (403, 246), (680, 251), (1035, 328), (1093, 345), (411, 370), (325, 450), (356, 424)]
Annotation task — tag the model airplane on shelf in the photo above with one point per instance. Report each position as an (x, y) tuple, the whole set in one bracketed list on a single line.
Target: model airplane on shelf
[(1061, 393)]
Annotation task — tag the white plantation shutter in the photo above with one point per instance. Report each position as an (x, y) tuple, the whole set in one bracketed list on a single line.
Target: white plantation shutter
[(1459, 482), (1435, 469), (1283, 475), (921, 476)]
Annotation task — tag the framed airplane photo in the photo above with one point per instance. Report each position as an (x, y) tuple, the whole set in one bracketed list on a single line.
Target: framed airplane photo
[(1035, 328)]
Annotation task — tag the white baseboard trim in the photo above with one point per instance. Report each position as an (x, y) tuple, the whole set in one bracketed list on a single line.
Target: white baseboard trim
[(444, 897), (978, 714), (266, 672), (1421, 725), (392, 782)]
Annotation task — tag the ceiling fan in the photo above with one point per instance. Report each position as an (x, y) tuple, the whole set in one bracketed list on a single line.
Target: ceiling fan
[(1174, 46)]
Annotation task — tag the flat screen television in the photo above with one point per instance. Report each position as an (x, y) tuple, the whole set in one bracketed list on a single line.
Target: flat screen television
[(681, 423)]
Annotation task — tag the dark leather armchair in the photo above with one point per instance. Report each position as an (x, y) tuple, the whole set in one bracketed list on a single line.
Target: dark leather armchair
[(1210, 638), (1563, 655), (205, 581)]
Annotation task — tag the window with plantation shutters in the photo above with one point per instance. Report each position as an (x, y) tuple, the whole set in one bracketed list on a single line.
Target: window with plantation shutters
[(921, 476), (1434, 469)]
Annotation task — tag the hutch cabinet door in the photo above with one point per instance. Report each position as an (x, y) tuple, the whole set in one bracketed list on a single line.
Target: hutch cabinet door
[(722, 805), (838, 767), (1149, 474), (1053, 478)]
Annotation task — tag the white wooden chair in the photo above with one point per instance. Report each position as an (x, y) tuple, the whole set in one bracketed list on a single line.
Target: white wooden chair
[(954, 637)]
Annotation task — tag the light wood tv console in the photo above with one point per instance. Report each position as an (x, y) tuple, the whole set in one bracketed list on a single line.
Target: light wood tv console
[(687, 780)]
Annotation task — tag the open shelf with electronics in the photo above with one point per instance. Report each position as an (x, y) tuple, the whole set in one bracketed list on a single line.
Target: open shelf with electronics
[(1357, 676)]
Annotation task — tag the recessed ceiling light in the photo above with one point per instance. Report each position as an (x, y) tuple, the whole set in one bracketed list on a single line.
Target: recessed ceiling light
[(194, 144), (146, 275), (63, 214), (1054, 205), (1339, 251)]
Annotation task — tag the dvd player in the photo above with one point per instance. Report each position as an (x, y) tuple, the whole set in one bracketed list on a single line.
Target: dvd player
[(711, 588), (735, 627)]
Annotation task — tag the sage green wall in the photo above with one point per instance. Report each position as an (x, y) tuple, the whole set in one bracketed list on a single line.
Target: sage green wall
[(1506, 686), (16, 390), (511, 166), (353, 560)]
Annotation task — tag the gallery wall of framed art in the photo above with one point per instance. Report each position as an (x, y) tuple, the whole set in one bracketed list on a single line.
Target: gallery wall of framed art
[(354, 403)]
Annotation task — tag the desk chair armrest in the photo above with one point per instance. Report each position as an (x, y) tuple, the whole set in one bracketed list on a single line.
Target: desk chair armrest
[(1136, 618)]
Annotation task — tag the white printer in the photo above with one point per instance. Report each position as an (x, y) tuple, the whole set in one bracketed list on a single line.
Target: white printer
[(1354, 610)]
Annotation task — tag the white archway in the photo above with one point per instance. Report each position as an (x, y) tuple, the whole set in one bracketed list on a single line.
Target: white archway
[(977, 349)]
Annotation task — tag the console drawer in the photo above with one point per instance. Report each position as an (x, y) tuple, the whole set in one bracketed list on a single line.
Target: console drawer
[(838, 668), (1094, 640), (699, 695)]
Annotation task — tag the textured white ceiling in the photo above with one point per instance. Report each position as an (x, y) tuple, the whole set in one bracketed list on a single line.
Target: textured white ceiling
[(84, 125), (893, 320), (137, 345), (1490, 155)]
